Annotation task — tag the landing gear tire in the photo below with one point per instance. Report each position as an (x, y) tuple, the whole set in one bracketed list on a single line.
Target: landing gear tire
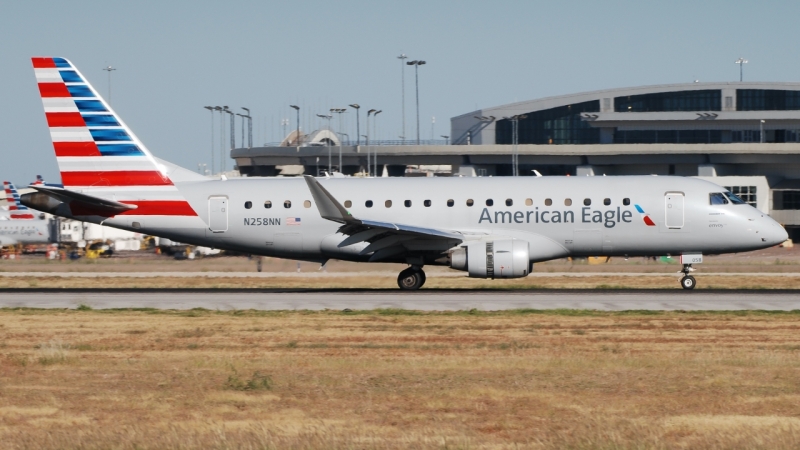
[(688, 282), (411, 279)]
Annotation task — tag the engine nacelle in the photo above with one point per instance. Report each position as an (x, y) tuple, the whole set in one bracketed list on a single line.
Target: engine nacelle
[(506, 258)]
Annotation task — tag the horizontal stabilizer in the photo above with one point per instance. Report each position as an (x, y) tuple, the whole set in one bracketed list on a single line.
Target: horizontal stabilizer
[(49, 198)]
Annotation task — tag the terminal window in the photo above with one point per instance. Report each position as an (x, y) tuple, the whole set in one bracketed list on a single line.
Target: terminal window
[(560, 125), (746, 193), (785, 200), (667, 136), (746, 136), (700, 100), (767, 100)]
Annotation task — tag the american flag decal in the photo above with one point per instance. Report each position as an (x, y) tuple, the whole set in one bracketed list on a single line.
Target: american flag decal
[(292, 221)]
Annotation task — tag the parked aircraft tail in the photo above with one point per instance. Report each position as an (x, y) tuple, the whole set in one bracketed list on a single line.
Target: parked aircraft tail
[(97, 153), (17, 210)]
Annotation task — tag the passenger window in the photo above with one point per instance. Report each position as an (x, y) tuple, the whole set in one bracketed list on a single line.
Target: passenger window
[(567, 202), (528, 202), (248, 205), (489, 202), (427, 203), (348, 204), (548, 202), (307, 203), (388, 203), (267, 204), (470, 202), (626, 201), (717, 198), (587, 202), (368, 203), (287, 204), (407, 203), (607, 201), (450, 203), (509, 202)]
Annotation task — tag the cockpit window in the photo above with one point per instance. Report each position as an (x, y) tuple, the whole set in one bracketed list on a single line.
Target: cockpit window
[(717, 198), (734, 199)]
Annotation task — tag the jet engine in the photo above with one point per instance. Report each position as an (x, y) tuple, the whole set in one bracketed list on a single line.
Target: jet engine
[(507, 258)]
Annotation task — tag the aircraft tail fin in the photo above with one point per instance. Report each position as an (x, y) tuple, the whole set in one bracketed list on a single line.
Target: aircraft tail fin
[(95, 150), (17, 209)]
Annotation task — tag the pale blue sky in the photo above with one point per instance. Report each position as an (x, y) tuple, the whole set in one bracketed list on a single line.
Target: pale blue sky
[(175, 57)]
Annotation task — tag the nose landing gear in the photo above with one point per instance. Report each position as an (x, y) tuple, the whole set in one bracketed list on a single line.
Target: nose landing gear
[(411, 279), (688, 282)]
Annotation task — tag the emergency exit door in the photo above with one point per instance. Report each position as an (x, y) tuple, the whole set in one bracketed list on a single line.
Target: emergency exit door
[(218, 214), (673, 217)]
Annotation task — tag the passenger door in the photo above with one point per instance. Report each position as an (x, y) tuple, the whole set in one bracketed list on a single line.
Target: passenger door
[(218, 214), (673, 205)]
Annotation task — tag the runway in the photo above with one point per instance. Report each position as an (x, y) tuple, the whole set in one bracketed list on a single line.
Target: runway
[(424, 300)]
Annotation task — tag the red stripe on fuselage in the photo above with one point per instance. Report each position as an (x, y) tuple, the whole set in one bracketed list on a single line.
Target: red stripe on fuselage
[(159, 208), (50, 90), (22, 216), (145, 208), (76, 149), (115, 178), (43, 63), (65, 119)]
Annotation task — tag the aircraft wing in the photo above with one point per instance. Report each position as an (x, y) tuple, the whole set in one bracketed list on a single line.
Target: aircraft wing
[(382, 236)]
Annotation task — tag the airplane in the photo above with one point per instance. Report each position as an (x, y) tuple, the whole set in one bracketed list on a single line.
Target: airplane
[(487, 227), (19, 225)]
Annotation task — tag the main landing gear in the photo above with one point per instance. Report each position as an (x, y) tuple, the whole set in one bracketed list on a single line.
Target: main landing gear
[(411, 279), (688, 282)]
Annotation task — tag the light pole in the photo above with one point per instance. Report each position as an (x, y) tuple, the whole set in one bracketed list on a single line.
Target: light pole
[(224, 160), (761, 137), (243, 117), (109, 69), (741, 62), (339, 111), (328, 118), (402, 57), (249, 129), (416, 64), (374, 129), (446, 140), (211, 109), (357, 107), (297, 137), (433, 124), (369, 167), (220, 109)]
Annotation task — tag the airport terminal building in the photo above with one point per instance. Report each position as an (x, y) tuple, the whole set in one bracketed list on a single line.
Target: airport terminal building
[(744, 136)]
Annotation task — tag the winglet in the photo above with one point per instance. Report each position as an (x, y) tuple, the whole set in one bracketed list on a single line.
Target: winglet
[(329, 208)]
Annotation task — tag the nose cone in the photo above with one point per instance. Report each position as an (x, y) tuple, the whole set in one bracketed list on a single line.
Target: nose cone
[(774, 233)]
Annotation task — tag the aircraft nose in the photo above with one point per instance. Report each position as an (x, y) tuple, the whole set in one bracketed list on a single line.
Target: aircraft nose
[(775, 234)]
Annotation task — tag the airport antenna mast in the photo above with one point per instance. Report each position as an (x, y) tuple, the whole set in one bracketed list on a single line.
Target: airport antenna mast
[(109, 69), (741, 62)]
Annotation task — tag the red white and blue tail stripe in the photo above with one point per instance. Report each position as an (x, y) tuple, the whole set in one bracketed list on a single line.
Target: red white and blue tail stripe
[(16, 209), (96, 152)]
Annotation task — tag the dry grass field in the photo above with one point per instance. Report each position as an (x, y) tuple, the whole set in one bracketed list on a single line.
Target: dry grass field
[(398, 379)]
